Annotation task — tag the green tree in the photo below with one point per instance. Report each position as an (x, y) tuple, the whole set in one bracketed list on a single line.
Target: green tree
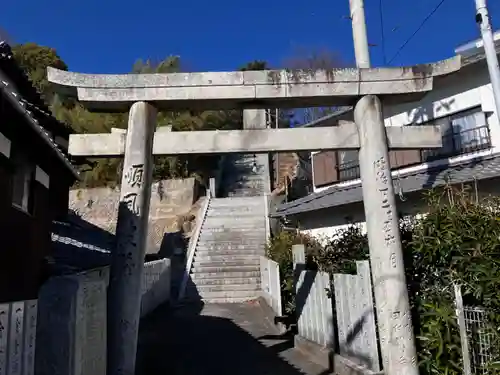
[(35, 59)]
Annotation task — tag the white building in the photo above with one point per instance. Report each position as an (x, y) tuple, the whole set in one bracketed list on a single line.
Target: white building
[(462, 103)]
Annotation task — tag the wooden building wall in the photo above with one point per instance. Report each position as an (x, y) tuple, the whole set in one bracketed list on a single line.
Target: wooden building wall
[(25, 238)]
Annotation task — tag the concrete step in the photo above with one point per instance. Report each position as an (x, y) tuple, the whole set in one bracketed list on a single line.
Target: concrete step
[(255, 234), (226, 243), (228, 295), (247, 187), (248, 231), (225, 275), (232, 236), (247, 210), (228, 223), (218, 268), (255, 252), (225, 263), (233, 221), (232, 202), (206, 289), (247, 182), (244, 170), (236, 215), (257, 230), (238, 257), (236, 240), (220, 226), (225, 252), (228, 281), (230, 246), (246, 160), (245, 193), (222, 300), (244, 182)]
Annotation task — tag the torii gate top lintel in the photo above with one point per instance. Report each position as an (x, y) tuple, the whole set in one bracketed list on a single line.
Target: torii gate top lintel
[(251, 89)]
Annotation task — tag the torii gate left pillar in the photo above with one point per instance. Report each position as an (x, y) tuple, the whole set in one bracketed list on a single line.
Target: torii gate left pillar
[(131, 231)]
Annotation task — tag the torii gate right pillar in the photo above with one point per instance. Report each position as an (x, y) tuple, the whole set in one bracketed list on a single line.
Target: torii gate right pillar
[(397, 341), (386, 255)]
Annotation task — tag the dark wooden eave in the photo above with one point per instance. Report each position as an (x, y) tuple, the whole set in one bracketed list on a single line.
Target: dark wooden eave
[(15, 95)]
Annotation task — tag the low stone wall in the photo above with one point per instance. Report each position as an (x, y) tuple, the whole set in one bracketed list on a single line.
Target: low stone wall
[(71, 334), (155, 285), (72, 325)]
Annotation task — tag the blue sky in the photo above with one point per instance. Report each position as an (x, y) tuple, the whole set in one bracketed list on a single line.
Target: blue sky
[(107, 36)]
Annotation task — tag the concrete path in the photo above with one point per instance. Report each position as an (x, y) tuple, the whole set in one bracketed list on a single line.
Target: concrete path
[(219, 339)]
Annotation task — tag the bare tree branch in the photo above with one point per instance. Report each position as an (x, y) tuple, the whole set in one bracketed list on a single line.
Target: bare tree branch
[(312, 59)]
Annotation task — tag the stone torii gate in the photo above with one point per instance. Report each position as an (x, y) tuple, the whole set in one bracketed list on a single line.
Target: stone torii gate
[(143, 94)]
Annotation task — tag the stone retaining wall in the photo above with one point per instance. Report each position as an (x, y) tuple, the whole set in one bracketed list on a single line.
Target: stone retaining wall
[(171, 205)]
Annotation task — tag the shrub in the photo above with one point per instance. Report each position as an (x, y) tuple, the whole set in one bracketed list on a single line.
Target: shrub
[(279, 249), (457, 242), (342, 250)]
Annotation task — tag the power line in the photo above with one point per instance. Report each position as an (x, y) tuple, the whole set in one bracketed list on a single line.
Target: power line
[(381, 13), (436, 8)]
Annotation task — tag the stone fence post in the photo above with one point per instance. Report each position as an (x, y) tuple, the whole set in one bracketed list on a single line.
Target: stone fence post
[(71, 330)]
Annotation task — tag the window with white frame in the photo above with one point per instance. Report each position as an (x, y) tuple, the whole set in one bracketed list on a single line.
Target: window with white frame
[(22, 177)]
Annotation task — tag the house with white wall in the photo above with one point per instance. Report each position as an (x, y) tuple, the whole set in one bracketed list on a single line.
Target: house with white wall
[(461, 103)]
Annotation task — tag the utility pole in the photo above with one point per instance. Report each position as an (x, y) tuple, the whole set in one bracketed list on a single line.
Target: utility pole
[(483, 19), (396, 334)]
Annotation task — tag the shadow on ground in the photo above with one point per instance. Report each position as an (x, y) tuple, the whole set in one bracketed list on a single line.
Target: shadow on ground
[(216, 339)]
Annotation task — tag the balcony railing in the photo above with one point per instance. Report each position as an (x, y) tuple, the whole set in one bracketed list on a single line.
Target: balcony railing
[(349, 170), (455, 143), (460, 142)]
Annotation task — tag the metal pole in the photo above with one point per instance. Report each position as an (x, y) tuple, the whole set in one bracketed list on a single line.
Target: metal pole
[(127, 262), (463, 330), (359, 34), (483, 19), (386, 256)]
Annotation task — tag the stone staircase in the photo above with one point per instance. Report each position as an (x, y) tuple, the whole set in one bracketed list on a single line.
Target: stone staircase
[(226, 262), (226, 267), (244, 175)]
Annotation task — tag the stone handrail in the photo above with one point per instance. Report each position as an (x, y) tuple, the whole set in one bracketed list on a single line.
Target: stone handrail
[(155, 288), (192, 245)]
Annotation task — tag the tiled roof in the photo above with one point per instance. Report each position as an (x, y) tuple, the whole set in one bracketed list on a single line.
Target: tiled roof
[(78, 245), (28, 109), (474, 169)]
